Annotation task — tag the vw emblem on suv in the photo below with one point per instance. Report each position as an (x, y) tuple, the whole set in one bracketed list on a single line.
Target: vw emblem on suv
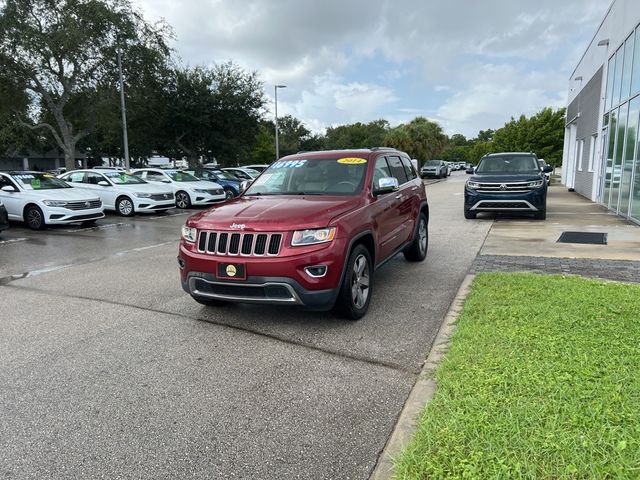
[(87, 204), (503, 186)]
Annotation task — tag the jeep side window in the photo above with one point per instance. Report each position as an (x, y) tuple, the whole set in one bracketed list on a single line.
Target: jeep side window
[(381, 170), (408, 169), (397, 170)]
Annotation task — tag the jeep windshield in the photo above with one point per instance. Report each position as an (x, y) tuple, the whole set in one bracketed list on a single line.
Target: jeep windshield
[(508, 165), (330, 176)]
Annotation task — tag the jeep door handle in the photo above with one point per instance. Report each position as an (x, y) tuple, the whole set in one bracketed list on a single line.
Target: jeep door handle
[(399, 196), (414, 189)]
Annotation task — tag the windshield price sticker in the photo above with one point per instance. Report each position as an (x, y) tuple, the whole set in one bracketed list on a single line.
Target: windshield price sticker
[(24, 177), (178, 177), (35, 183), (289, 164), (352, 161)]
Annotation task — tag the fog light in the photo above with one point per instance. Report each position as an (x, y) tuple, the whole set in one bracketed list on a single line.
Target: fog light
[(316, 271), (181, 263)]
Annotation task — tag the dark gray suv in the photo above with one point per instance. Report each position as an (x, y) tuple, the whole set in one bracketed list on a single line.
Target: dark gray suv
[(507, 182)]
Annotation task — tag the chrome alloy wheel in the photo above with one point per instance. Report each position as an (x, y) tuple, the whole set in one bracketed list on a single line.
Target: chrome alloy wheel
[(182, 200), (422, 236), (125, 207), (360, 281)]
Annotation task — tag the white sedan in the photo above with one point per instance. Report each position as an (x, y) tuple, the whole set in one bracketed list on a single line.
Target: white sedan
[(242, 173), (40, 199), (121, 191), (188, 189)]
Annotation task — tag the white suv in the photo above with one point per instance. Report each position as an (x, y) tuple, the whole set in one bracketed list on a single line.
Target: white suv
[(188, 189), (39, 199), (121, 191)]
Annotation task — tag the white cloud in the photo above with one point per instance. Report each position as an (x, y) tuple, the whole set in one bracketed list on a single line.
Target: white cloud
[(472, 65)]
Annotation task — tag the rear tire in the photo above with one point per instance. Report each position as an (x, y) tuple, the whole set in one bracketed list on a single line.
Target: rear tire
[(210, 302), (417, 251), (34, 218), (469, 215), (356, 289)]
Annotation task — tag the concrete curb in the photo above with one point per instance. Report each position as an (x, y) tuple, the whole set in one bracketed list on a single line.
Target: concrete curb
[(423, 390)]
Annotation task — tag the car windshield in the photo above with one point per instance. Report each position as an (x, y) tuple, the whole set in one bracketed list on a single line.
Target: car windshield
[(225, 175), (122, 178), (39, 181), (178, 176), (432, 163), (508, 165), (331, 176)]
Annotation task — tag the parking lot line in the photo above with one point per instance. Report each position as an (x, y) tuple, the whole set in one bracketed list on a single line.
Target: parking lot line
[(12, 240), (97, 227)]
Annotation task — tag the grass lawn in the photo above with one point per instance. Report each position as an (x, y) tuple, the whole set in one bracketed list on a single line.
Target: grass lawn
[(542, 380)]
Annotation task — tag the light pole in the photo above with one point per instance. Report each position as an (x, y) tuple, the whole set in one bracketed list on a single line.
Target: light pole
[(275, 88), (124, 112)]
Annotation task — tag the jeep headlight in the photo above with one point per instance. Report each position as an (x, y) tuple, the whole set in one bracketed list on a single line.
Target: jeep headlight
[(142, 195), (473, 185), (312, 237), (537, 183), (189, 234), (55, 203)]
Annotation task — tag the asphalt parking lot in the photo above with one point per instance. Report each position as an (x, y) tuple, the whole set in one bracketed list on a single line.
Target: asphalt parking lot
[(108, 369)]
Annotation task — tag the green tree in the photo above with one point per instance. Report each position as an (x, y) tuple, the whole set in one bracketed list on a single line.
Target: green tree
[(357, 135), (63, 51), (420, 138), (291, 133)]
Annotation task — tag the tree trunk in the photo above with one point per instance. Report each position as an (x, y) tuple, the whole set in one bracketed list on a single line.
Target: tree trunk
[(70, 154)]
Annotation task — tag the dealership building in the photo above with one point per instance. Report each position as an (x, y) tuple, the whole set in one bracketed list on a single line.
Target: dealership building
[(601, 158)]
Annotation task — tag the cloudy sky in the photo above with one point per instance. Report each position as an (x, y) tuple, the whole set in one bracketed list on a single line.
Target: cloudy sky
[(468, 64)]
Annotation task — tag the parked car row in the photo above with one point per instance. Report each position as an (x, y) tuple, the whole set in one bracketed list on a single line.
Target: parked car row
[(42, 198)]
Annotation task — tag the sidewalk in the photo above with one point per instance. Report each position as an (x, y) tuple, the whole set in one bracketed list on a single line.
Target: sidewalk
[(524, 244)]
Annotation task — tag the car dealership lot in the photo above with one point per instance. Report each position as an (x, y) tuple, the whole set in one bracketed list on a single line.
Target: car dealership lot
[(113, 370)]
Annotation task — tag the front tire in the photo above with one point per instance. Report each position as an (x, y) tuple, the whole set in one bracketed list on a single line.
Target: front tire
[(417, 251), (356, 289), (183, 200), (229, 194), (34, 218), (541, 215), (124, 207)]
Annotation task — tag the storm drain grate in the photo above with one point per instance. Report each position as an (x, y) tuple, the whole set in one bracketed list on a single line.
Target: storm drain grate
[(583, 237)]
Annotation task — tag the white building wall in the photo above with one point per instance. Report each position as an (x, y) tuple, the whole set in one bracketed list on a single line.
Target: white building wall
[(619, 22)]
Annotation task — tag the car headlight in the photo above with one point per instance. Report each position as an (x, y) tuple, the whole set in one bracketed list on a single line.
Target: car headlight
[(473, 185), (200, 190), (311, 237), (55, 203), (142, 195), (537, 183), (189, 234)]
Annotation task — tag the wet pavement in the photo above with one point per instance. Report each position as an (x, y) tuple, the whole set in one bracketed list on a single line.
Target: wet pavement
[(108, 369)]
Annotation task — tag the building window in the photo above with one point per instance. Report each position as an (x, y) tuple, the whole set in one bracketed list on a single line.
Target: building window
[(579, 150), (592, 152)]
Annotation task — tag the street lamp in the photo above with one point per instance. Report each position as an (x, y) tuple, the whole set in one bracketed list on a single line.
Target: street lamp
[(275, 88), (125, 138)]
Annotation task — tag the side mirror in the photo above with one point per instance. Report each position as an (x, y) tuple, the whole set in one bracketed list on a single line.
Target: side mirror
[(9, 188), (103, 183), (547, 169), (245, 184), (386, 185), (470, 170)]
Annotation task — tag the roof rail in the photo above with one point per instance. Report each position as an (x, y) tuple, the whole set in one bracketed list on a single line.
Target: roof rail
[(373, 149)]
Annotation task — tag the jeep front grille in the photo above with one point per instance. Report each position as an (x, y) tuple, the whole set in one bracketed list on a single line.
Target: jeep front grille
[(240, 244)]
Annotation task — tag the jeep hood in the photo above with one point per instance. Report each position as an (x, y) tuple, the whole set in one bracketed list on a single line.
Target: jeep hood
[(274, 213)]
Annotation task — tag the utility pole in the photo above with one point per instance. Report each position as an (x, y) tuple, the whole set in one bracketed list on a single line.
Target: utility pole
[(124, 113), (276, 87)]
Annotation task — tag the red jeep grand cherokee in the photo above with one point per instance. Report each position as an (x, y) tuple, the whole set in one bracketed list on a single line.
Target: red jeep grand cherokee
[(309, 232)]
